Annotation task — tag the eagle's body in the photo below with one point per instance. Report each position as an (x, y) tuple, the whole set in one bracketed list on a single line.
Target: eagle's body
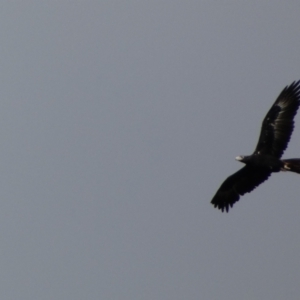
[(263, 161), (276, 131)]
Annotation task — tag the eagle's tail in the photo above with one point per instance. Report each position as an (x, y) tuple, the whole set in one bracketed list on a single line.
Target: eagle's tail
[(292, 165)]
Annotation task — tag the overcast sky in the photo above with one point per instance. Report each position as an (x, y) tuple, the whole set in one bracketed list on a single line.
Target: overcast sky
[(119, 120)]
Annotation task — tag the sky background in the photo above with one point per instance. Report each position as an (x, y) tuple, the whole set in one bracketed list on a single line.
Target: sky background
[(119, 120)]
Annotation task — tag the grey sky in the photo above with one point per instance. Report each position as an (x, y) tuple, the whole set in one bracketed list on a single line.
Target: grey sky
[(119, 120)]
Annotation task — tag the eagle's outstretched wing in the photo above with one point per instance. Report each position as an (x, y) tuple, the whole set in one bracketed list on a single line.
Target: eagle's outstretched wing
[(278, 124), (243, 181)]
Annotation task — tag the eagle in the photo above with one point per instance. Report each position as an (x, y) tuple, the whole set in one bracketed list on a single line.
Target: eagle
[(276, 131)]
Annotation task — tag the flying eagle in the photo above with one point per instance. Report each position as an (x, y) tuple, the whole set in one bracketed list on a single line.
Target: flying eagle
[(275, 134)]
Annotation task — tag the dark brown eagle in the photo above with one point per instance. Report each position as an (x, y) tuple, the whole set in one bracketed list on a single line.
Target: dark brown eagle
[(276, 131)]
